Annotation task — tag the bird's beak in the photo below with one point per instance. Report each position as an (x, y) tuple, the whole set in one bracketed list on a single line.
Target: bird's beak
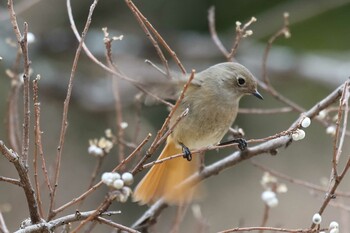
[(257, 94)]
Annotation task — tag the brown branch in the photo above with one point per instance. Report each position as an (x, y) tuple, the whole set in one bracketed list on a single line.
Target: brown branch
[(141, 20), (22, 171), (265, 217), (144, 23), (284, 31), (213, 33), (64, 124), (53, 224), (116, 94), (337, 147), (116, 225), (26, 94), (241, 32), (335, 177), (38, 149), (11, 181), (12, 117), (275, 229)]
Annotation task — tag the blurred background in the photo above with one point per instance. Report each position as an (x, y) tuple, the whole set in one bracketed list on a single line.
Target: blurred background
[(304, 68)]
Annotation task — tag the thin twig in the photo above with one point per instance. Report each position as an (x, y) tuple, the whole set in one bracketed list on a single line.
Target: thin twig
[(11, 181), (116, 93), (241, 32), (26, 93), (265, 217), (38, 149), (116, 225), (274, 229), (64, 124), (284, 31), (339, 139), (213, 33), (145, 22), (141, 20)]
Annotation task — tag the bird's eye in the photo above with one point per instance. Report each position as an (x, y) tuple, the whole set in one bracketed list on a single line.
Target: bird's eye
[(240, 81)]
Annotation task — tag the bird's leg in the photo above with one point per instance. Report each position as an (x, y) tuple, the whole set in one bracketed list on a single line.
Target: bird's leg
[(242, 143), (187, 153)]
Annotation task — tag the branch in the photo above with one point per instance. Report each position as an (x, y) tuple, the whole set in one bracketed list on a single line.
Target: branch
[(24, 180), (146, 24), (53, 224), (64, 124)]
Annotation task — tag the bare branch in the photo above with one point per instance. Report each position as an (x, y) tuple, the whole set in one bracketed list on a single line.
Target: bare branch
[(25, 181), (64, 124), (146, 24)]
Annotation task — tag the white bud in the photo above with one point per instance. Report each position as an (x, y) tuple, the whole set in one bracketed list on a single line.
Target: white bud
[(128, 178), (238, 23), (268, 195), (317, 218), (115, 175), (282, 188), (95, 150), (306, 122), (124, 125), (335, 230), (299, 134), (122, 198), (322, 114), (118, 184), (331, 130), (107, 178), (126, 191), (30, 38), (334, 225), (272, 202)]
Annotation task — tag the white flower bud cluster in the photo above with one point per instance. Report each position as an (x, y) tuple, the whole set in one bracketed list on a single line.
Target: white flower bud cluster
[(270, 198), (119, 182), (299, 134), (272, 187), (333, 226), (101, 147)]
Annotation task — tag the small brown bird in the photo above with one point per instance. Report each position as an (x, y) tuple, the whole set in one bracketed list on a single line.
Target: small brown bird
[(212, 99)]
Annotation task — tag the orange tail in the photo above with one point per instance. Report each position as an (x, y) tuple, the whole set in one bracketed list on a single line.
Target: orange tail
[(161, 180)]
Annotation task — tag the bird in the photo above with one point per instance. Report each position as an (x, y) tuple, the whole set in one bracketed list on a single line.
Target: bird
[(212, 100)]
